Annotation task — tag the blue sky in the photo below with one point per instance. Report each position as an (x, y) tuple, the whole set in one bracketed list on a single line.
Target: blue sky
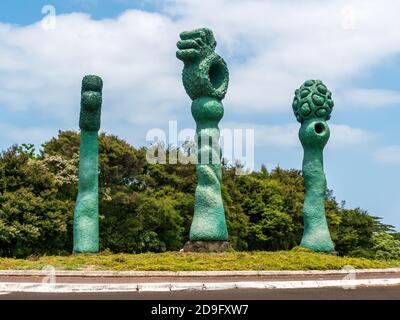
[(271, 47), (26, 12)]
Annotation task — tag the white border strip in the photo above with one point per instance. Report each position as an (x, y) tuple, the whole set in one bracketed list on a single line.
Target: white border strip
[(12, 287), (66, 273)]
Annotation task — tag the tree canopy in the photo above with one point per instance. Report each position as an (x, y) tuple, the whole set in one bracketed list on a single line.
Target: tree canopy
[(148, 207)]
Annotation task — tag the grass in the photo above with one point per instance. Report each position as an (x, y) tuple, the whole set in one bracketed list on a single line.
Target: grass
[(177, 261)]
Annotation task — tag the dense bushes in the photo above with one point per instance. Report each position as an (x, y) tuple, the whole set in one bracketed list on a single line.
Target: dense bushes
[(149, 207), (33, 216)]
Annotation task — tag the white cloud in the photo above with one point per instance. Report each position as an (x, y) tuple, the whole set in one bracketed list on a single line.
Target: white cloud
[(368, 98), (271, 47), (286, 136), (286, 42), (25, 134), (346, 136), (390, 154), (41, 70)]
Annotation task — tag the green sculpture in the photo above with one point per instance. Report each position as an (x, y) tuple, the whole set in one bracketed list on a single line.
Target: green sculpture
[(205, 78), (86, 216), (312, 106)]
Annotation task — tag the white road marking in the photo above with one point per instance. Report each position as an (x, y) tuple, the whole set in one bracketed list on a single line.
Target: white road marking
[(7, 287)]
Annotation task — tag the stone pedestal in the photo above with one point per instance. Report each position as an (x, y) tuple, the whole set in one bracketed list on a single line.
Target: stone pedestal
[(206, 246)]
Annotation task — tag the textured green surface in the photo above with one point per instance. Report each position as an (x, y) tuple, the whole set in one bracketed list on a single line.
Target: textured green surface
[(312, 107), (86, 216), (179, 261), (205, 78)]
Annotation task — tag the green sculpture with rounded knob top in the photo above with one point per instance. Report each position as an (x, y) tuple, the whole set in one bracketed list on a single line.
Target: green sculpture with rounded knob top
[(312, 106), (86, 215)]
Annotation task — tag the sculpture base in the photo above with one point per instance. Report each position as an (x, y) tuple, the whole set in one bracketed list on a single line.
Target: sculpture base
[(206, 246)]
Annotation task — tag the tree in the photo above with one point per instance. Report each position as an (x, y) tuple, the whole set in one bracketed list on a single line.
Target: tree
[(32, 219), (149, 207), (353, 235), (141, 206), (386, 247)]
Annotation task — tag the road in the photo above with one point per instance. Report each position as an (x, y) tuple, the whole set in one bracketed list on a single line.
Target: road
[(380, 293), (150, 287)]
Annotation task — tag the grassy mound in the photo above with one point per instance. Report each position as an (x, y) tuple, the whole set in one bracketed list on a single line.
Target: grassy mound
[(177, 261)]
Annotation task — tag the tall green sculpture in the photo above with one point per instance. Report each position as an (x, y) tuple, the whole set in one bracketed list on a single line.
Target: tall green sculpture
[(86, 216), (312, 106), (205, 78)]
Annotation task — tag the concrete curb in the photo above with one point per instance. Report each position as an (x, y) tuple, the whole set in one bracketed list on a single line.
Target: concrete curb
[(65, 273), (12, 287)]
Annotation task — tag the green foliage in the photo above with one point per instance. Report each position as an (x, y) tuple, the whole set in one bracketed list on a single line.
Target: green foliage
[(270, 226), (149, 221), (142, 207), (353, 229), (386, 247), (149, 207), (32, 218), (28, 149), (299, 249), (302, 259)]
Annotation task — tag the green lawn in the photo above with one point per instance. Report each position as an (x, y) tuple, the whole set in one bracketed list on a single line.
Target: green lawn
[(176, 261)]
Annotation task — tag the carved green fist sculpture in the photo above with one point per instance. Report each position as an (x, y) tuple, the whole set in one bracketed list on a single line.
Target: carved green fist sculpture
[(312, 106), (86, 216), (205, 78)]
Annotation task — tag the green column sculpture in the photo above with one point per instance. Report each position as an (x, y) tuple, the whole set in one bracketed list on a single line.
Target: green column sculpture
[(86, 215), (205, 78), (312, 106)]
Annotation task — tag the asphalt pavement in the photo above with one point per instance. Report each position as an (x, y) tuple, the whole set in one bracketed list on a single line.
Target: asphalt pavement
[(269, 285), (361, 293)]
